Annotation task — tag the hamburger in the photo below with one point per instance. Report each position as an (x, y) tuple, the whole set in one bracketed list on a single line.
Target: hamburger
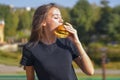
[(61, 32)]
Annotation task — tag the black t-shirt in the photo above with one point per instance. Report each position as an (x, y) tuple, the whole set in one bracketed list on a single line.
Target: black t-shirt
[(51, 62)]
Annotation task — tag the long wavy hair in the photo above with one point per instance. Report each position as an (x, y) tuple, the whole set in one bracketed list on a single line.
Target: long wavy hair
[(37, 32)]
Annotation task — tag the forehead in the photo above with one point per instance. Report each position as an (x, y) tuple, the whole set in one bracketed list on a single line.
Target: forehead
[(54, 11)]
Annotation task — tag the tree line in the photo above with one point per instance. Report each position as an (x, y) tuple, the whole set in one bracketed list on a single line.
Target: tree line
[(94, 23)]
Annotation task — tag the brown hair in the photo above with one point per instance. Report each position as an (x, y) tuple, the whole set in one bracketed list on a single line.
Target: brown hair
[(40, 14)]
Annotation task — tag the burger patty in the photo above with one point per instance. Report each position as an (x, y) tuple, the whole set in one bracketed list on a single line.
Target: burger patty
[(62, 32)]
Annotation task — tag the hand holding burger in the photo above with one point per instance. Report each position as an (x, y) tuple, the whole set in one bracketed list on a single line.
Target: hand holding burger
[(67, 30)]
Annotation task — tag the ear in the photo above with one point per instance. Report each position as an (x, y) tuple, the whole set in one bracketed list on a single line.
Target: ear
[(43, 23)]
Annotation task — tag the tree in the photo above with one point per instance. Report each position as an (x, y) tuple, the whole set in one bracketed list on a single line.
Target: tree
[(114, 25), (65, 14), (101, 25), (84, 16), (11, 24), (24, 21), (11, 20), (4, 10)]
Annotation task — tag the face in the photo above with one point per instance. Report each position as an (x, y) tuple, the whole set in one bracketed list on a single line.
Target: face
[(53, 19)]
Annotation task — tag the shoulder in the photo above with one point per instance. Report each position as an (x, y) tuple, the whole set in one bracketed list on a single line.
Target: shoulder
[(30, 45)]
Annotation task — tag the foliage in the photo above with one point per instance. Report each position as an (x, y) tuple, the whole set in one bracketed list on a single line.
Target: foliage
[(89, 20), (24, 21), (95, 52), (16, 20), (11, 23), (23, 34), (83, 17), (4, 10), (65, 14), (102, 26), (114, 26)]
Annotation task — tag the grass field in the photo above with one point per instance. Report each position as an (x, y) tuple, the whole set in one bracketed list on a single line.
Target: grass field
[(23, 77)]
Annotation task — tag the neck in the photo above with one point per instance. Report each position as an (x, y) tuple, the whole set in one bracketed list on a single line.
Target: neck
[(49, 39)]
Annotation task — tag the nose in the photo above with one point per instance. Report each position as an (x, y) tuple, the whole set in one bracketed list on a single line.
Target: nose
[(61, 20)]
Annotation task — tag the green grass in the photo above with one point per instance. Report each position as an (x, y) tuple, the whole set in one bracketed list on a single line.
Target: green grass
[(23, 77), (10, 58), (113, 65)]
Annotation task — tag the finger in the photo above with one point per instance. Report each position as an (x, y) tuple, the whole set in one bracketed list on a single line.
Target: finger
[(68, 24), (69, 29)]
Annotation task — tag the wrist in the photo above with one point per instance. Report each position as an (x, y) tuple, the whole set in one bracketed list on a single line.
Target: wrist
[(77, 42), (81, 56)]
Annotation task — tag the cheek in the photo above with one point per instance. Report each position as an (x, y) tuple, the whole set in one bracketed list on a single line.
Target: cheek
[(52, 24)]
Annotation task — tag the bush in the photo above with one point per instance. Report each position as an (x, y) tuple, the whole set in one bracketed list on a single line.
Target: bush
[(95, 51)]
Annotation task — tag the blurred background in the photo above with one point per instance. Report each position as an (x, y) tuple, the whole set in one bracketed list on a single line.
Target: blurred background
[(97, 23)]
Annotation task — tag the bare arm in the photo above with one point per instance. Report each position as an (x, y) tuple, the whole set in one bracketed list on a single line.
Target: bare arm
[(29, 72), (83, 61)]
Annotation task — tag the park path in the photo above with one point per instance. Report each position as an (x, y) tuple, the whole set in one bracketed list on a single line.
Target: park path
[(10, 69)]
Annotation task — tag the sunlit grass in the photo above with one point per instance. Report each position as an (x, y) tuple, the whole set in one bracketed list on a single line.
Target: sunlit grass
[(113, 65), (10, 58)]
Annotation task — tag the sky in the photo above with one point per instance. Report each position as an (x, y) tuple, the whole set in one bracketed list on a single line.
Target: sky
[(65, 3)]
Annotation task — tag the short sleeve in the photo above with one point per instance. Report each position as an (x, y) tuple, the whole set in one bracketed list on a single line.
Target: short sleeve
[(27, 58), (73, 49)]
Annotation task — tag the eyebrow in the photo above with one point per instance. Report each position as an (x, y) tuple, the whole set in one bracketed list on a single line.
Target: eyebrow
[(59, 15), (55, 14)]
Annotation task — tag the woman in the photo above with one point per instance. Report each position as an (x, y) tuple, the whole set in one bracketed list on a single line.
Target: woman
[(51, 57)]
